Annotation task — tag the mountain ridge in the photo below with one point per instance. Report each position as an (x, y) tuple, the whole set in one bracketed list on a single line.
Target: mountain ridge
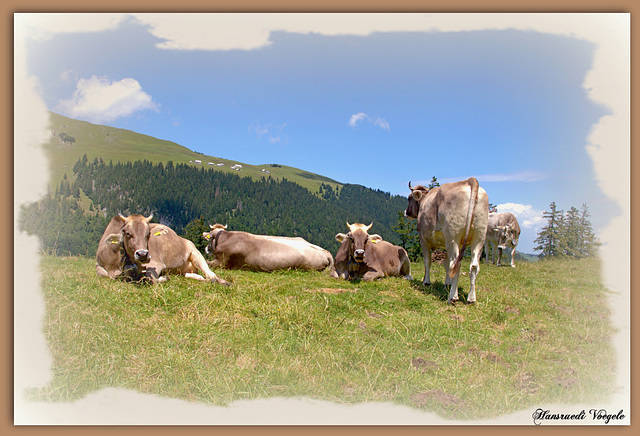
[(71, 139)]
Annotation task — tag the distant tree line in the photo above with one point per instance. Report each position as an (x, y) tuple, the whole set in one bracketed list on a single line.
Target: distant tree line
[(566, 234), (71, 219)]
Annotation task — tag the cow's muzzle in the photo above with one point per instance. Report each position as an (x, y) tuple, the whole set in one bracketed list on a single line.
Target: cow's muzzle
[(142, 256), (358, 255)]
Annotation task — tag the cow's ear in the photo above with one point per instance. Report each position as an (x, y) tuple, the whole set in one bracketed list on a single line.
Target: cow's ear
[(341, 237), (417, 194), (375, 238), (114, 238), (206, 235)]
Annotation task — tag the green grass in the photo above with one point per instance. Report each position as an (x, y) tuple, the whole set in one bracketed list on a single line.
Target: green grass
[(120, 145), (539, 334)]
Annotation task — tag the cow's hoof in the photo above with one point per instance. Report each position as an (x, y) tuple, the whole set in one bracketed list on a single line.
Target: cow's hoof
[(471, 302), (222, 282), (452, 302)]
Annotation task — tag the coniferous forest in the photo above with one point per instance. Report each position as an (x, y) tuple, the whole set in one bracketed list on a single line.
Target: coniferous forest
[(73, 217)]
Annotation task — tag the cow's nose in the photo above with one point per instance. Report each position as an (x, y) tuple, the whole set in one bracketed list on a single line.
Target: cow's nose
[(142, 255), (359, 253), (206, 249)]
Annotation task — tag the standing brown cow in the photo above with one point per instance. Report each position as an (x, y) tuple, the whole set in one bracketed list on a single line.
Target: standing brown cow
[(503, 232), (368, 257), (452, 216), (134, 247)]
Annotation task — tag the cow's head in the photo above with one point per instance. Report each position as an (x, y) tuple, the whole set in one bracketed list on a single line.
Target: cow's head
[(417, 194), (357, 240), (211, 236), (134, 237), (506, 236)]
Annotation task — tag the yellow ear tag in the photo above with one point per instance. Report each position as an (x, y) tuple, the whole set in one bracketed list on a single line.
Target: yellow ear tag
[(207, 237), (375, 241), (160, 232), (115, 241)]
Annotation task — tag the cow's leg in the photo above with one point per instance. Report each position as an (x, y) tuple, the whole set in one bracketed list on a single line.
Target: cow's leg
[(474, 269), (427, 268), (487, 247), (499, 256), (513, 254), (372, 275), (426, 256), (197, 259), (447, 280), (101, 271), (452, 252), (195, 276)]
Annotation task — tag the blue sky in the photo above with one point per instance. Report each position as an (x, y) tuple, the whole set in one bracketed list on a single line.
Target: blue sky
[(376, 100)]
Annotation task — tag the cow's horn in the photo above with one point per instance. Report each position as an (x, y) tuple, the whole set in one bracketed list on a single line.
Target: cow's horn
[(370, 225), (410, 185), (210, 226), (148, 219), (225, 226)]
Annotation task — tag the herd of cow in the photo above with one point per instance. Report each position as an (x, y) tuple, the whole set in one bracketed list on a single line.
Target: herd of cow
[(453, 217)]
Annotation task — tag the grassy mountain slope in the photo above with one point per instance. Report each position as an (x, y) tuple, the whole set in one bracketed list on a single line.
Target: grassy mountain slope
[(71, 139)]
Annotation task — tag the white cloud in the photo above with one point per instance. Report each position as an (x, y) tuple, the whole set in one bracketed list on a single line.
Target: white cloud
[(382, 123), (376, 121), (99, 99), (356, 117), (528, 217), (523, 176), (68, 75), (272, 131)]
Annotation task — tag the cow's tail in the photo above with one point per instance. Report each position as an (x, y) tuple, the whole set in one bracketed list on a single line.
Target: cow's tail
[(473, 200)]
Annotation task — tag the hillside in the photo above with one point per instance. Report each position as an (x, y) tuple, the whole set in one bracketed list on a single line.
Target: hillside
[(71, 139)]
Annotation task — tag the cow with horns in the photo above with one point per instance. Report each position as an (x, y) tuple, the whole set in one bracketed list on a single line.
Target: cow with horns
[(452, 216)]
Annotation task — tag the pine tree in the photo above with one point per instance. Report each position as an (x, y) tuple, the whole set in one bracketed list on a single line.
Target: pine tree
[(409, 237), (550, 237), (567, 235), (571, 231), (588, 240)]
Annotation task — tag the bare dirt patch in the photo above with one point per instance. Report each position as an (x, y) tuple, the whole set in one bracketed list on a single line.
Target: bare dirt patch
[(423, 364)]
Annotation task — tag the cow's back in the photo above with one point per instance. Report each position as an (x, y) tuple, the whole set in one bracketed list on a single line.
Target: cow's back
[(235, 250), (388, 257), (168, 248)]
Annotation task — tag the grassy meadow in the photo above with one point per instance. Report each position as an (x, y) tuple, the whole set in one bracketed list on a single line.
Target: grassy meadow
[(540, 333)]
